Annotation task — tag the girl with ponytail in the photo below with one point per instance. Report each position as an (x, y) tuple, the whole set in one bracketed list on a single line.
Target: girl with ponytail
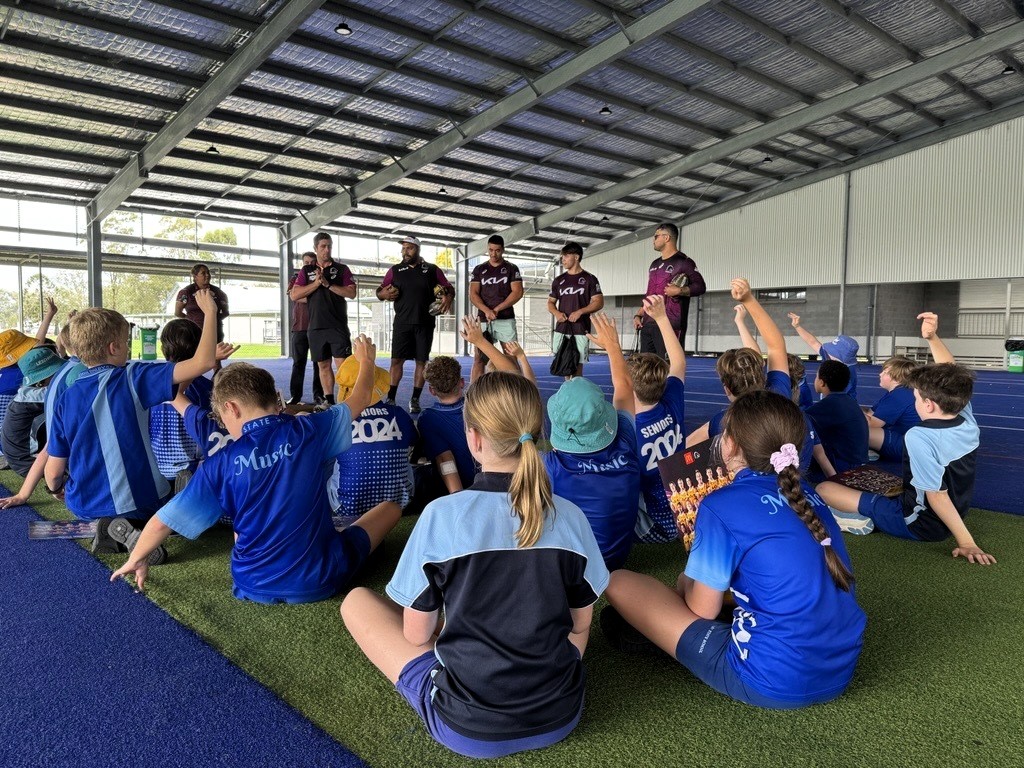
[(768, 538), (516, 571)]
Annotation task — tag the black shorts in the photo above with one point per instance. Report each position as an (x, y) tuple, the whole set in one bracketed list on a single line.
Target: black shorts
[(412, 342), (325, 343)]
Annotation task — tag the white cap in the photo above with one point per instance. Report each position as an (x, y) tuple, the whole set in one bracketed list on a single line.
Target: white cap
[(410, 240)]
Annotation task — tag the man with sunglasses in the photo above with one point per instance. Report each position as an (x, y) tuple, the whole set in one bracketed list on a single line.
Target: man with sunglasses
[(673, 275)]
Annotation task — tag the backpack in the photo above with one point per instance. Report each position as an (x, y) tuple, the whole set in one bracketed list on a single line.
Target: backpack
[(567, 359)]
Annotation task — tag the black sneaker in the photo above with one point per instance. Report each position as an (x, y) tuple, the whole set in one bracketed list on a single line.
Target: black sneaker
[(121, 530), (102, 543), (389, 401), (622, 636), (414, 405), (293, 401)]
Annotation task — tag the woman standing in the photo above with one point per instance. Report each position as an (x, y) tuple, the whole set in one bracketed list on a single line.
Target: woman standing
[(186, 305)]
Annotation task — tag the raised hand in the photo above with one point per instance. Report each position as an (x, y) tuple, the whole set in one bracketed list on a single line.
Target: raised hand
[(794, 319), (741, 313), (225, 350), (740, 288), (512, 349), (654, 306), (929, 324), (472, 330), (605, 335), (364, 349), (206, 302)]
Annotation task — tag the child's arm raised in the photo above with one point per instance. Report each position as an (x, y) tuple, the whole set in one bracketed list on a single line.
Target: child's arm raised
[(44, 326), (741, 325), (773, 338), (807, 336), (942, 506), (206, 352), (474, 334), (362, 392), (930, 332), (654, 306), (607, 337), (517, 353)]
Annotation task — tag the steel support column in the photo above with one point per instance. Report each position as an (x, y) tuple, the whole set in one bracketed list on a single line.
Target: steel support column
[(94, 262)]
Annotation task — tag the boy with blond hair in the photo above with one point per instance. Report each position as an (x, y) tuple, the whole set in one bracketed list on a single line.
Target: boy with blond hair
[(939, 462), (441, 427), (100, 456), (894, 413), (268, 481)]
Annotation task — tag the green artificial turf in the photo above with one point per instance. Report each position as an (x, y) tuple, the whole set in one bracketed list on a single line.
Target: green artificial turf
[(938, 684)]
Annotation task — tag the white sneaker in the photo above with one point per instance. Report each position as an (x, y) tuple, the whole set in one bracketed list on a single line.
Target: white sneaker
[(850, 522)]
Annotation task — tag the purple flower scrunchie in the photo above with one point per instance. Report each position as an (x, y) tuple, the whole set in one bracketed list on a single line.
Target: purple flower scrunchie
[(786, 456)]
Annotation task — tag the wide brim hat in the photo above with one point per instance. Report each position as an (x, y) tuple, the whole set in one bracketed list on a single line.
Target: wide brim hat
[(346, 378), (39, 364), (582, 420), (13, 345)]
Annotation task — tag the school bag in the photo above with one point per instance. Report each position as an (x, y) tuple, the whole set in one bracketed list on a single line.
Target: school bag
[(567, 359)]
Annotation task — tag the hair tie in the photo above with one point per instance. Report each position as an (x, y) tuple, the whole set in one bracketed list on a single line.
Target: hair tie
[(786, 456), (524, 437), (826, 542)]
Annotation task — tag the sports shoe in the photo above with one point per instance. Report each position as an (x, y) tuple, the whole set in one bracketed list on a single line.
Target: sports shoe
[(293, 401), (322, 406), (389, 401), (850, 522), (124, 532), (873, 456), (622, 635), (414, 405)]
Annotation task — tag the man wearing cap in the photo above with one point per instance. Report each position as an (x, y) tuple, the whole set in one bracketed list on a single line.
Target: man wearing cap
[(325, 285), (673, 275), (24, 429), (842, 348), (414, 285), (494, 288)]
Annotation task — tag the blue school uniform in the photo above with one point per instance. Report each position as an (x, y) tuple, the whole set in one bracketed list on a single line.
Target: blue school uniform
[(796, 636), (443, 429), (59, 382), (205, 432), (806, 395), (897, 410), (174, 449), (272, 483), (659, 434), (504, 670), (843, 430), (844, 349), (779, 383), (375, 466), (606, 486), (101, 426), (10, 381)]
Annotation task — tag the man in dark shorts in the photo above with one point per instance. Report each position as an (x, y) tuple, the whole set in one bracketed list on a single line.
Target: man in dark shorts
[(300, 343), (494, 287), (575, 295), (326, 285), (674, 275), (413, 285)]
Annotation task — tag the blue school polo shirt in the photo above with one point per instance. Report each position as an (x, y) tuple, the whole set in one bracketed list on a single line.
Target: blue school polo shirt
[(897, 410), (375, 467), (59, 382), (272, 483), (443, 429), (506, 667), (659, 434), (606, 486), (101, 426), (843, 430), (173, 447), (202, 427), (796, 636)]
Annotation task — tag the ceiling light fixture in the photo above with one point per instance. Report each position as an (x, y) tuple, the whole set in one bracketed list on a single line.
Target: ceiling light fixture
[(605, 110), (767, 159), (212, 150), (442, 191), (343, 29), (1008, 70), (604, 218)]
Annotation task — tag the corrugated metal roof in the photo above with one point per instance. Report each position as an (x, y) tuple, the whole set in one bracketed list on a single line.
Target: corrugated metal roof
[(86, 75)]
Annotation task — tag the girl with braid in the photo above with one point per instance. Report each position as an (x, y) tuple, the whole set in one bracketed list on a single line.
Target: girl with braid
[(516, 570), (767, 538)]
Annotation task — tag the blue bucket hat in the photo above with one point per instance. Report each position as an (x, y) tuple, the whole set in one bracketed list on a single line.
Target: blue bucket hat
[(842, 348), (582, 421), (39, 363)]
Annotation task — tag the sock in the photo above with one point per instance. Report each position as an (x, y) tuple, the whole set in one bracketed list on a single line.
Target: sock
[(416, 392), (392, 391), (329, 399)]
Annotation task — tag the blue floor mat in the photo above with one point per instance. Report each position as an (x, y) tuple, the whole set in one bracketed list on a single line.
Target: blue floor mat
[(94, 676)]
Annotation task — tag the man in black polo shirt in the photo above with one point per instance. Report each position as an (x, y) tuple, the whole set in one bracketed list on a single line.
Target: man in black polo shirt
[(325, 286), (412, 285), (494, 287)]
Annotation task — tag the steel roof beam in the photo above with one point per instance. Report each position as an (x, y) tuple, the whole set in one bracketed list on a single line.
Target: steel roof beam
[(911, 144), (242, 62), (913, 73), (974, 30), (561, 77)]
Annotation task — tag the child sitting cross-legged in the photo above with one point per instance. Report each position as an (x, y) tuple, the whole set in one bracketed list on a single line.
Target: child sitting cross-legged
[(99, 433), (894, 413), (594, 461), (767, 538), (442, 432), (658, 395), (838, 419), (269, 482), (939, 461), (516, 571)]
